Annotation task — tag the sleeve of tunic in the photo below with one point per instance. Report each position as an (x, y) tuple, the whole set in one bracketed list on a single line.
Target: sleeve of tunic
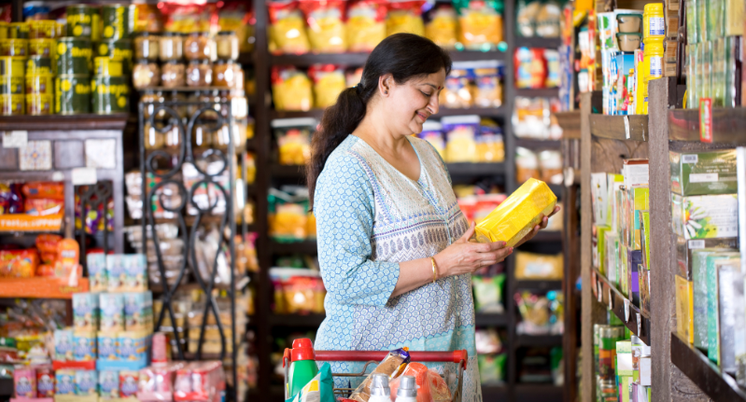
[(344, 206)]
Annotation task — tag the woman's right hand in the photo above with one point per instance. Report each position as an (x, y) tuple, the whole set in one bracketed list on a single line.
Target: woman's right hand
[(465, 256)]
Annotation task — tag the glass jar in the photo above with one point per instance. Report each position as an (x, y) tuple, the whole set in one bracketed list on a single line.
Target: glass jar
[(222, 72), (171, 46), (202, 135), (193, 107), (150, 98), (152, 138), (239, 79), (172, 137), (146, 46), (182, 110), (199, 73), (173, 74), (227, 45), (146, 74), (239, 105), (221, 138), (199, 46)]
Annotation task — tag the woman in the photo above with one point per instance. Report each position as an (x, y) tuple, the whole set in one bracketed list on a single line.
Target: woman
[(393, 245)]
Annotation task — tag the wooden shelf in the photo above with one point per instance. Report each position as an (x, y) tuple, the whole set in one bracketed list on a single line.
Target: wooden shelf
[(524, 284), (621, 306), (545, 43), (65, 122), (533, 144), (728, 125), (302, 247), (570, 123), (537, 93), (538, 340), (40, 288), (702, 372), (296, 320), (359, 59), (623, 128), (491, 320)]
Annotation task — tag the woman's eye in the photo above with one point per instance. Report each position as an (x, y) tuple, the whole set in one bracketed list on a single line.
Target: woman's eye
[(426, 94)]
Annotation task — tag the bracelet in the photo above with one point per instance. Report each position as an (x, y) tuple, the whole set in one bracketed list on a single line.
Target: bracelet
[(435, 269)]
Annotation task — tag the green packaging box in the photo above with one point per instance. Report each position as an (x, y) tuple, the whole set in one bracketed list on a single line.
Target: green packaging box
[(713, 303), (639, 200), (703, 173), (705, 216), (699, 294), (600, 251), (685, 248), (644, 270)]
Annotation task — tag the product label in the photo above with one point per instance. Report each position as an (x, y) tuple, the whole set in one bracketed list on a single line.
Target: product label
[(656, 67), (703, 177), (696, 244), (693, 158), (657, 26)]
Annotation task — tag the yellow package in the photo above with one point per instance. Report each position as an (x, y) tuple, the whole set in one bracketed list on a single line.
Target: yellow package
[(405, 17), (328, 82), (288, 223), (685, 309), (517, 215), (294, 139), (287, 30), (538, 266), (366, 25), (481, 26), (442, 26), (326, 29), (291, 89), (461, 133)]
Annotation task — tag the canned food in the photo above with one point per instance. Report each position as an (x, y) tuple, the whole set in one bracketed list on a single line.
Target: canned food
[(12, 105), (39, 84), (115, 19), (40, 65), (96, 24), (60, 30), (72, 94), (42, 29), (18, 30), (40, 104), (41, 47), (80, 21), (107, 67), (3, 30), (118, 50), (12, 66), (14, 47), (110, 95), (73, 56), (11, 85)]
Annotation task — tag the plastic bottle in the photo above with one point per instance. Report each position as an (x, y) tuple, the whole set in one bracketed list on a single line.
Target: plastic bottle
[(379, 388), (302, 365), (407, 389), (68, 254), (653, 21)]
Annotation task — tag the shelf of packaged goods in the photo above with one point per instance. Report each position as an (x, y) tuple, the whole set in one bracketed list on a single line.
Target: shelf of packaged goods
[(538, 42), (538, 285), (187, 287), (547, 236), (607, 294), (540, 392), (296, 320), (622, 128), (494, 392), (538, 340), (570, 124), (300, 247), (728, 125), (703, 373), (359, 59), (495, 112), (57, 122), (537, 92), (538, 144), (491, 319), (40, 288), (22, 223)]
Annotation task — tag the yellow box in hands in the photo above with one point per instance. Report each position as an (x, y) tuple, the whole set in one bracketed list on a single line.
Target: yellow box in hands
[(518, 214)]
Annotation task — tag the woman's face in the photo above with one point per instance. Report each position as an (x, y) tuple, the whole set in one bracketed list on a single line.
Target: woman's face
[(408, 105)]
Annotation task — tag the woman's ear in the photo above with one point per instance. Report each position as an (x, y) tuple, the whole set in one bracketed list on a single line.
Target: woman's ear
[(384, 84)]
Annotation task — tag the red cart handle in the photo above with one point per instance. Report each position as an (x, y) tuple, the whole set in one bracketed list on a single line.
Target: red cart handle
[(457, 356)]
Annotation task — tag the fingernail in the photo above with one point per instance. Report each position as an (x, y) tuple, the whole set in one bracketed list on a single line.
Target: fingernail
[(511, 249)]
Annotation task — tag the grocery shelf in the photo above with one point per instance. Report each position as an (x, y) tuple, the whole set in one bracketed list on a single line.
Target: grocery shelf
[(491, 319), (719, 386), (494, 392), (728, 125), (296, 320), (40, 288), (570, 124), (546, 43), (538, 92), (20, 223), (301, 247), (56, 122), (622, 307), (498, 112), (537, 340), (476, 169), (534, 144), (623, 128), (359, 59), (523, 284)]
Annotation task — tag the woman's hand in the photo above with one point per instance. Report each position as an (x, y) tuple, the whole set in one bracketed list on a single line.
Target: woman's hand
[(465, 257), (542, 225)]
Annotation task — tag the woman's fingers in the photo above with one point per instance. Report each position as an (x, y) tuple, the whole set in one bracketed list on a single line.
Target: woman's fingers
[(468, 234)]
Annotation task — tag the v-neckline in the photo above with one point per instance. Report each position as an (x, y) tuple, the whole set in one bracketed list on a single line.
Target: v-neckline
[(420, 180)]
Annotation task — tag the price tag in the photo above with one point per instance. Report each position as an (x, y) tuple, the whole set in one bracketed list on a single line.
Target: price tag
[(83, 176), (58, 176), (705, 120), (639, 324), (626, 127), (611, 301), (15, 139), (626, 310), (600, 292)]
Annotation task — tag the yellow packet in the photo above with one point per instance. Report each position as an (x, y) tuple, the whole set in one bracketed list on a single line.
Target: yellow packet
[(516, 216)]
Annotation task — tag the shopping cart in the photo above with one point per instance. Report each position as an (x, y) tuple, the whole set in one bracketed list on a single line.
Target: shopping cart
[(370, 357)]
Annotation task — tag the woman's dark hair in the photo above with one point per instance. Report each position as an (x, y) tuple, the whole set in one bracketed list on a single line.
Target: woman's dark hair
[(404, 56)]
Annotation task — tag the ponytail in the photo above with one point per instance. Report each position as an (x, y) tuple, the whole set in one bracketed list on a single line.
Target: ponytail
[(404, 56)]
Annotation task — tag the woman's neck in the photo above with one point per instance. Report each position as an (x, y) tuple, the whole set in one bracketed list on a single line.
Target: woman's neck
[(374, 132)]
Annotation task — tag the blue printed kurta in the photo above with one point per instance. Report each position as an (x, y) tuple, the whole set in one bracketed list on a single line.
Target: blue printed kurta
[(370, 217)]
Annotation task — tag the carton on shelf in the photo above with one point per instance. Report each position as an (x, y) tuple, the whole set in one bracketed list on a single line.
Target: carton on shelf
[(705, 216)]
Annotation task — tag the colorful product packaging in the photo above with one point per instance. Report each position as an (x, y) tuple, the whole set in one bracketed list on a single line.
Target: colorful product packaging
[(703, 173), (86, 382), (624, 371), (731, 312), (138, 311), (615, 182), (97, 274), (108, 384), (599, 193), (65, 382), (128, 383), (44, 381), (84, 346), (639, 200), (518, 214), (699, 281), (112, 311), (685, 248), (24, 382), (705, 216), (63, 344), (634, 263), (608, 336), (685, 308), (107, 345), (116, 271), (135, 276), (133, 345), (600, 249), (85, 311), (714, 264), (644, 270)]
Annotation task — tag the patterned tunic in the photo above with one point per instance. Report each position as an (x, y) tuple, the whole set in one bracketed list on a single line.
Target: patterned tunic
[(370, 217)]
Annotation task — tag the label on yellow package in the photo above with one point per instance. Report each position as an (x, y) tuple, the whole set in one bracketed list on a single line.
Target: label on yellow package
[(518, 214)]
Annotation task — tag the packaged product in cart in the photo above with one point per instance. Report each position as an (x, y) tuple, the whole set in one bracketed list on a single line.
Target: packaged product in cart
[(366, 24), (405, 16), (328, 82), (392, 365), (442, 26), (287, 30), (291, 89), (481, 25), (517, 215), (326, 27), (320, 388)]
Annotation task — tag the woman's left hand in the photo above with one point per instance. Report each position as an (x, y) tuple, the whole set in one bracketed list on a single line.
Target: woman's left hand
[(542, 225)]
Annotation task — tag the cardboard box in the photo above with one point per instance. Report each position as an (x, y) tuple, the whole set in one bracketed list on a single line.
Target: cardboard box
[(685, 248), (703, 173), (731, 313), (705, 216), (599, 193), (684, 309), (714, 264), (85, 311), (97, 275)]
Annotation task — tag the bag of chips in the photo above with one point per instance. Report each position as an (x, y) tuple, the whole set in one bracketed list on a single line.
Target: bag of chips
[(287, 29), (366, 24), (480, 22), (236, 16), (405, 16), (291, 89), (461, 133), (326, 27), (328, 82), (442, 26)]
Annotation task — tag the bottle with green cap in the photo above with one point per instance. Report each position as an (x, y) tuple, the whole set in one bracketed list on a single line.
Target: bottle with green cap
[(407, 389), (302, 365)]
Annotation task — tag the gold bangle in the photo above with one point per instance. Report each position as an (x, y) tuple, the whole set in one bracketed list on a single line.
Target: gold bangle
[(435, 269)]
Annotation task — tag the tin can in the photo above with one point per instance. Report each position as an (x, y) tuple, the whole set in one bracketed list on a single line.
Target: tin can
[(11, 85), (107, 67), (110, 95), (4, 30), (42, 29), (118, 50), (12, 105), (72, 94), (60, 30), (80, 21), (73, 56), (14, 47), (12, 66), (39, 84), (40, 65), (18, 30), (41, 47), (115, 19), (38, 105)]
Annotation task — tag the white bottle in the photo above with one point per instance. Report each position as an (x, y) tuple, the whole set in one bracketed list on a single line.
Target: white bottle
[(407, 389), (379, 388)]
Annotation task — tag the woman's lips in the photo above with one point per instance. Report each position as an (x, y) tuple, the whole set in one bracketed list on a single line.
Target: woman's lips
[(422, 116)]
